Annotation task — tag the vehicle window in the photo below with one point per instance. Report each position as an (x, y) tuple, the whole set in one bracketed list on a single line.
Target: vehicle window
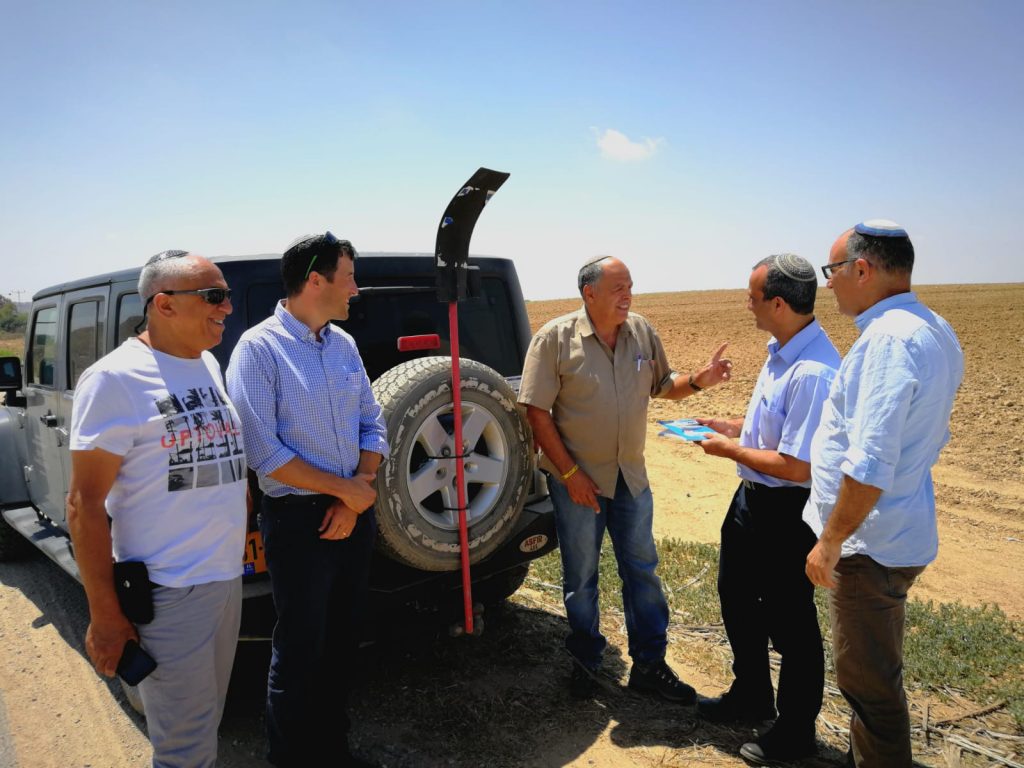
[(486, 327), (42, 365), (129, 314), (85, 332), (376, 320)]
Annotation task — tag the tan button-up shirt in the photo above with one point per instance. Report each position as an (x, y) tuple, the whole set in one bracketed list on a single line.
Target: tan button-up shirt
[(598, 396)]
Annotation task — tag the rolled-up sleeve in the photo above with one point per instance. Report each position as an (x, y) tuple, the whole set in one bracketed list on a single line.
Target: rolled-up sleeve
[(252, 386), (540, 383), (373, 431), (882, 384)]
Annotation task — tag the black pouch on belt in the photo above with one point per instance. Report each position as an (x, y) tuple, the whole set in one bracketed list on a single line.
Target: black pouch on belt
[(134, 591)]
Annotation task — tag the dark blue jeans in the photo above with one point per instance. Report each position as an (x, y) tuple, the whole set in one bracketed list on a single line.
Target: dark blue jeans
[(319, 591), (580, 532)]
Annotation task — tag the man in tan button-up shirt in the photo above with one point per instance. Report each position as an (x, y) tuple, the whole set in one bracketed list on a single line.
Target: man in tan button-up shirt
[(587, 381)]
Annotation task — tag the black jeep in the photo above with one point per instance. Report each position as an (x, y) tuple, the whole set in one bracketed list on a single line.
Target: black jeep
[(510, 518)]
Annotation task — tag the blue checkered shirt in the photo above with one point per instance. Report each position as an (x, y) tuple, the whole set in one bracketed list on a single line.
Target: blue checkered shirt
[(297, 396)]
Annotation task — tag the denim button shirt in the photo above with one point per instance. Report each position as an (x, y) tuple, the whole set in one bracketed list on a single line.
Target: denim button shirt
[(886, 419)]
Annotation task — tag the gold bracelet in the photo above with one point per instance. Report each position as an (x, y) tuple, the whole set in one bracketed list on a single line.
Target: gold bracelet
[(571, 472)]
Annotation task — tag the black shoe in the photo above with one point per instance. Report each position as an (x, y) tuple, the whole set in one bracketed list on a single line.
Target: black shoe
[(775, 747), (730, 708), (582, 684), (658, 677)]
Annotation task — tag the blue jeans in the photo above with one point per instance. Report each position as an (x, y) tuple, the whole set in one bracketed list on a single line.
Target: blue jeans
[(320, 589), (580, 532)]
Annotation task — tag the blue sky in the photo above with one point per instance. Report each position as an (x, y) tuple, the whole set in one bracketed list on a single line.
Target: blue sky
[(688, 138)]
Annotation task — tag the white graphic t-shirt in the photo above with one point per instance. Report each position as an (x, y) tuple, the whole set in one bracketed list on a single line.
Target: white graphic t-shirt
[(178, 503)]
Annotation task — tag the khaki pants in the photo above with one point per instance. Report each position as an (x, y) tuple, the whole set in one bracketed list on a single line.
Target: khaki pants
[(867, 609)]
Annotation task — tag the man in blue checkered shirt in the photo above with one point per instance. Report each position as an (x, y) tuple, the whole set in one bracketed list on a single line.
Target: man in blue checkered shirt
[(315, 437)]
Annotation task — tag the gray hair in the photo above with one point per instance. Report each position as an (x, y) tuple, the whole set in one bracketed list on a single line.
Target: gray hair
[(590, 272), (792, 279), (161, 271), (892, 254)]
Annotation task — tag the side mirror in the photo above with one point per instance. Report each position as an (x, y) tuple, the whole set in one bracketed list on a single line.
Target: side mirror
[(10, 373)]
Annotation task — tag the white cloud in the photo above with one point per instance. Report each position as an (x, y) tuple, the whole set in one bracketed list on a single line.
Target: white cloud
[(617, 146)]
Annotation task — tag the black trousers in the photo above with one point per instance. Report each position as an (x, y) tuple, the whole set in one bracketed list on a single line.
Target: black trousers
[(766, 596), (320, 590)]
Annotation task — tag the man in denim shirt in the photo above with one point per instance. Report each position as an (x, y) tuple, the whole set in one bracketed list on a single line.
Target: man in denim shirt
[(871, 503), (317, 440)]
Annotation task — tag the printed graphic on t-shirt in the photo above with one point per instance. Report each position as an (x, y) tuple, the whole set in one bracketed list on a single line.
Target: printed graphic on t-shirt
[(202, 439)]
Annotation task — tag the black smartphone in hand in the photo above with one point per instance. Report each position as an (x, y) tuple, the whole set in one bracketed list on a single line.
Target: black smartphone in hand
[(135, 663)]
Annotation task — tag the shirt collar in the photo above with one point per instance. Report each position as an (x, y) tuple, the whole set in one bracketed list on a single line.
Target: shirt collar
[(792, 349), (296, 327), (864, 319), (584, 327)]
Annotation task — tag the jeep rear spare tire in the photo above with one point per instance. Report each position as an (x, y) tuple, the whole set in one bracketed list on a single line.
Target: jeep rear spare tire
[(417, 499)]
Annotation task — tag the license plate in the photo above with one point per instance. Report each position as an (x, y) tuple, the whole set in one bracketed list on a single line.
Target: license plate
[(253, 561)]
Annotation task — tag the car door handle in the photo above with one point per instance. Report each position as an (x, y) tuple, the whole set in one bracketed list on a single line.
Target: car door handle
[(48, 420)]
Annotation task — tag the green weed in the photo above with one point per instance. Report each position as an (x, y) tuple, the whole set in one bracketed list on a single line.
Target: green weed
[(979, 651)]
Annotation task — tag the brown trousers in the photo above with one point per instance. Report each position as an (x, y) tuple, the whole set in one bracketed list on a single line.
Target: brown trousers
[(867, 609)]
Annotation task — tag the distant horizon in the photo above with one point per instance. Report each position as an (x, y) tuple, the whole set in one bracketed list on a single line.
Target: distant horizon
[(24, 306)]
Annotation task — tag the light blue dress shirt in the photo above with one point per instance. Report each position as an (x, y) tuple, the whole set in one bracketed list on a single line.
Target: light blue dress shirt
[(886, 419), (786, 405), (297, 396)]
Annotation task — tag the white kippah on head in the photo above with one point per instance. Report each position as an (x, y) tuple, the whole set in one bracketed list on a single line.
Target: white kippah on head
[(880, 228)]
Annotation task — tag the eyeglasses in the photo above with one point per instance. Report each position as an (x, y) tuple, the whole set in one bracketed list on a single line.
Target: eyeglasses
[(344, 246), (829, 269)]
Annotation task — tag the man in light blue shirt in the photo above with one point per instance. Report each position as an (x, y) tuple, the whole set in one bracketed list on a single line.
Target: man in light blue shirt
[(871, 503), (764, 591), (316, 442)]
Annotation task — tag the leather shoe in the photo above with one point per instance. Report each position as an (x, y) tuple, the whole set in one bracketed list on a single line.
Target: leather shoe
[(659, 678), (775, 747), (730, 708), (581, 682)]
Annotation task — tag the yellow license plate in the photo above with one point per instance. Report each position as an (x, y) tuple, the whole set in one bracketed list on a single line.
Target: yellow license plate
[(253, 561)]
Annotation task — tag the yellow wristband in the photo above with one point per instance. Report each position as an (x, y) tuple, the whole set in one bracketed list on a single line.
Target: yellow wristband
[(571, 472)]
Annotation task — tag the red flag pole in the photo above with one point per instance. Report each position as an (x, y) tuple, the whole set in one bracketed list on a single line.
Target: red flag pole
[(460, 451)]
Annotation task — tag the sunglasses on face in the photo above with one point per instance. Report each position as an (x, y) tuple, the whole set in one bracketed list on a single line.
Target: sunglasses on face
[(210, 295)]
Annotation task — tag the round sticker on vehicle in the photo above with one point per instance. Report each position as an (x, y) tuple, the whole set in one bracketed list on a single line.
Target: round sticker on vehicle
[(533, 543)]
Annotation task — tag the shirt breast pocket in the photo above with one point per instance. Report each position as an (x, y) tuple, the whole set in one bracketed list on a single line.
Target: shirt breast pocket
[(646, 376), (770, 422)]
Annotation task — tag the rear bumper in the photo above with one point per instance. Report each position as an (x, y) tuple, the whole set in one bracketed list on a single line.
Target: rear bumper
[(395, 587)]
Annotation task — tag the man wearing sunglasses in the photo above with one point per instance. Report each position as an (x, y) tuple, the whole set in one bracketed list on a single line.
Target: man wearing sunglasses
[(156, 445), (872, 504), (315, 437)]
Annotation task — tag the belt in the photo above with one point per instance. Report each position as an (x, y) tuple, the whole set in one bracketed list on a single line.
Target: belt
[(750, 485), (299, 500)]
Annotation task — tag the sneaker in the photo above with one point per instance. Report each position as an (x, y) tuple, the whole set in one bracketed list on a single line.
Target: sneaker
[(775, 747), (730, 708), (581, 682), (658, 677)]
